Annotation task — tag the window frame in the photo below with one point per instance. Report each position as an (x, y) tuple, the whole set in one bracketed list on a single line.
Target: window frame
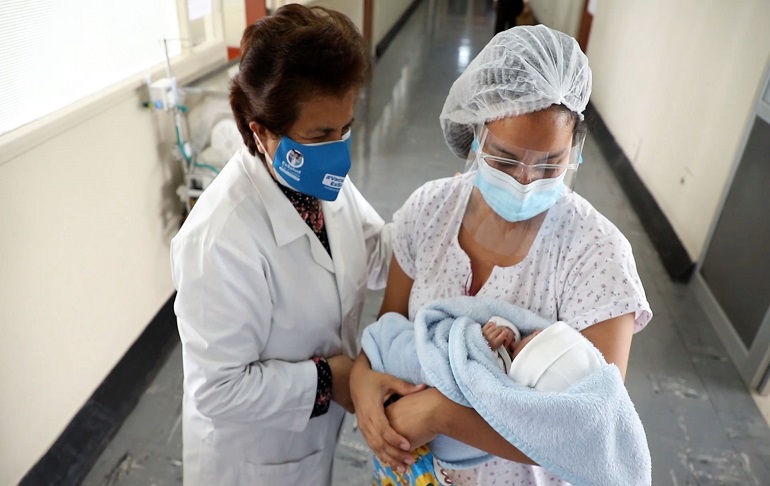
[(193, 62)]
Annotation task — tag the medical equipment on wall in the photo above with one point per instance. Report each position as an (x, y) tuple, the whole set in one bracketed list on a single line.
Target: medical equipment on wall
[(204, 149)]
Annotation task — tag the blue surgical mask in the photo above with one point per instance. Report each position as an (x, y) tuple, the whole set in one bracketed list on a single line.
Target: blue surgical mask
[(512, 200), (316, 169)]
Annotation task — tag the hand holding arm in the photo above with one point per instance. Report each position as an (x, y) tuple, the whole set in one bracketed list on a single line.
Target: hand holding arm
[(421, 416), (370, 390)]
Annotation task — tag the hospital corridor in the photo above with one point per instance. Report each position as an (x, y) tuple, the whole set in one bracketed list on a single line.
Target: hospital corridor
[(676, 156)]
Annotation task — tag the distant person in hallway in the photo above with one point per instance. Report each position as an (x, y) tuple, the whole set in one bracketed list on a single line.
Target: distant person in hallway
[(510, 228), (506, 13), (273, 263)]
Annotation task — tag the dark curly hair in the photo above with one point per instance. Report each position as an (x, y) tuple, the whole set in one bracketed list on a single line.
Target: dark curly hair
[(289, 57)]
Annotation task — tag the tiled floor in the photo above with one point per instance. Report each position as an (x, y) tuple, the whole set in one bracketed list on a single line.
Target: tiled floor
[(703, 426)]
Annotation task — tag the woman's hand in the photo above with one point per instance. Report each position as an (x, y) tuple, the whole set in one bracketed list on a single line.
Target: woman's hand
[(416, 416), (370, 390), (421, 416), (340, 367)]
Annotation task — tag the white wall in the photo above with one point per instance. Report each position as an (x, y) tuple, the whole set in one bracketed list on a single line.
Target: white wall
[(88, 210), (385, 13), (562, 15), (676, 82), (234, 13)]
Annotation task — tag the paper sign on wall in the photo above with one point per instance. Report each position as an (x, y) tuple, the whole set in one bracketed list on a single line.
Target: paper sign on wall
[(592, 4), (198, 8)]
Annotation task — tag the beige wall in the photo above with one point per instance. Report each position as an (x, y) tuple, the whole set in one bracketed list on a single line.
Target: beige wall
[(234, 16), (563, 15), (384, 16), (88, 210), (676, 82)]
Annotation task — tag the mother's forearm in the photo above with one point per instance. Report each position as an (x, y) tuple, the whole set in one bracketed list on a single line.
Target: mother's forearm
[(466, 425)]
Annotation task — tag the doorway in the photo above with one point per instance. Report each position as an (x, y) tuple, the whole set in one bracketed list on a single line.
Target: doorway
[(732, 280)]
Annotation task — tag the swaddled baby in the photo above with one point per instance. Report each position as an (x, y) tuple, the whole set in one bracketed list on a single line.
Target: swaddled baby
[(547, 360)]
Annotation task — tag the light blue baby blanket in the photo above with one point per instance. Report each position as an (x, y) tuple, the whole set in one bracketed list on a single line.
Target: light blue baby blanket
[(589, 434)]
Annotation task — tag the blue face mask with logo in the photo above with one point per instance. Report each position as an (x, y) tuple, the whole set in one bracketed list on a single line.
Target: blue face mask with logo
[(316, 169)]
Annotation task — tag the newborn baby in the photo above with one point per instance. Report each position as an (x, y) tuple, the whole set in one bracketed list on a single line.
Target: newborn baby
[(550, 359)]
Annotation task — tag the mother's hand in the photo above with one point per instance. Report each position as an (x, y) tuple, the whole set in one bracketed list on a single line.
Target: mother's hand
[(416, 416), (370, 390)]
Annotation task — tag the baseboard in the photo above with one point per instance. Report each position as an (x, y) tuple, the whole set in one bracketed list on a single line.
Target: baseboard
[(388, 38), (76, 450), (672, 252)]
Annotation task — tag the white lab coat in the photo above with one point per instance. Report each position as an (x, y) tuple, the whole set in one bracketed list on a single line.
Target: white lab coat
[(258, 296)]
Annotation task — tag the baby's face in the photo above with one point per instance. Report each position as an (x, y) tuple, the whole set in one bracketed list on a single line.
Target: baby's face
[(516, 348)]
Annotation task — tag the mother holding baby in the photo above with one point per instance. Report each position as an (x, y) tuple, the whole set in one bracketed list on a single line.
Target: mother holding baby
[(512, 229)]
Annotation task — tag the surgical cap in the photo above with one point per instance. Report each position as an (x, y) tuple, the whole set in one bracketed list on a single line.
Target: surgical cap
[(521, 70)]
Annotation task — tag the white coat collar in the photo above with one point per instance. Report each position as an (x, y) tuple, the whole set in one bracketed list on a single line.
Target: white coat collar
[(287, 225)]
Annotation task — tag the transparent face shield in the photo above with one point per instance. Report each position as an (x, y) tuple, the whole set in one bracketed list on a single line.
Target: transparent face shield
[(524, 165), (514, 189)]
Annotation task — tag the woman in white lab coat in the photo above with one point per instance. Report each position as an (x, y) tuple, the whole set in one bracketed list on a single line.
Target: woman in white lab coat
[(273, 262)]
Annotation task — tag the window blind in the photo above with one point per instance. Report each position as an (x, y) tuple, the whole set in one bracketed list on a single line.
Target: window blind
[(56, 52)]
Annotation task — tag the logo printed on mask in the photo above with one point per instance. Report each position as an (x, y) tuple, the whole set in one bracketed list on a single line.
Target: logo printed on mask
[(315, 169), (333, 181), (295, 159)]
